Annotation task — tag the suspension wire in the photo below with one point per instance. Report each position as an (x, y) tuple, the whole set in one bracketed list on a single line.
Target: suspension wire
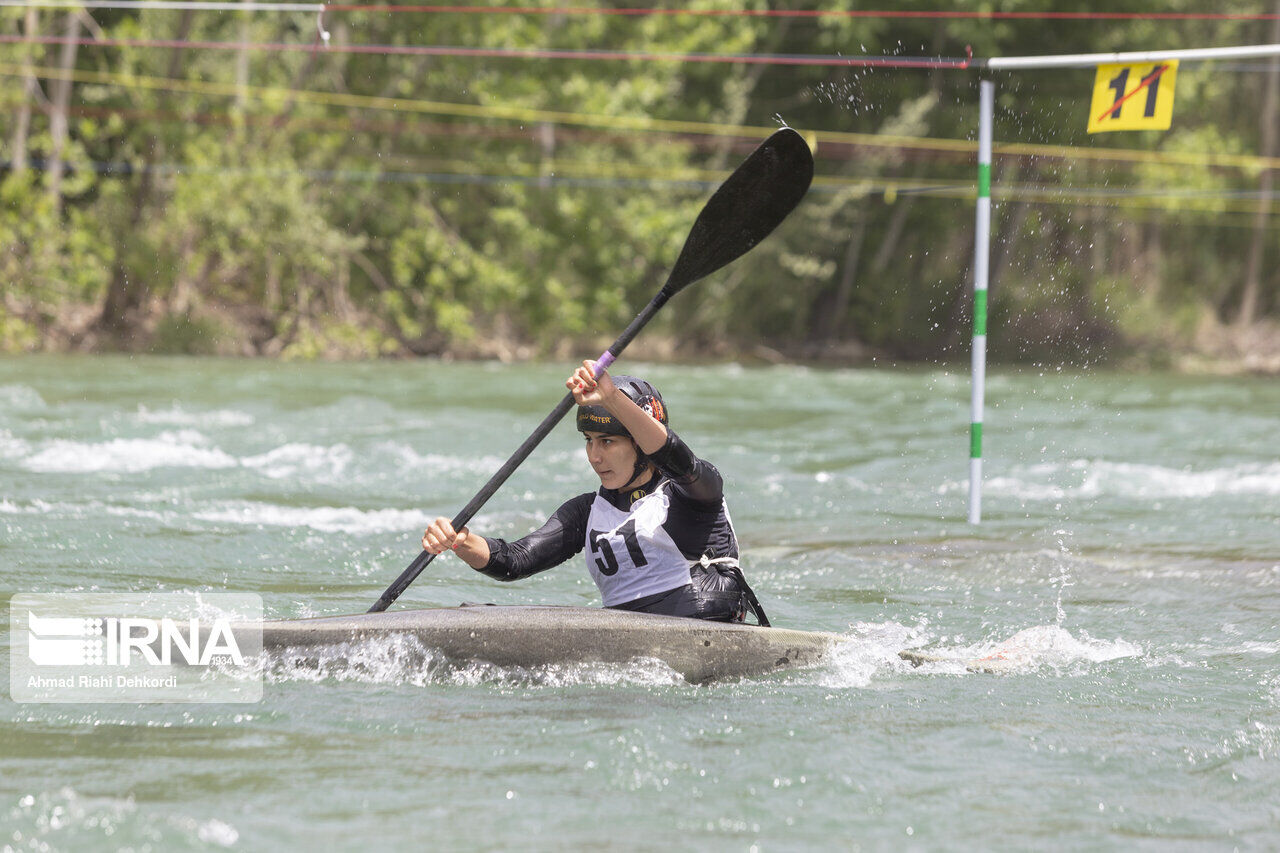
[(807, 13), (1212, 201), (952, 14), (920, 146), (513, 53), (645, 124), (394, 126), (166, 5)]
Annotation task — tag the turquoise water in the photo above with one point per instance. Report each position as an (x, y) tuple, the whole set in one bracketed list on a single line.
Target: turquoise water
[(1128, 569)]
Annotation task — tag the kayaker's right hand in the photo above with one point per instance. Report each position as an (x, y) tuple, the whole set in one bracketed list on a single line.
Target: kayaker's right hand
[(440, 537), (589, 389)]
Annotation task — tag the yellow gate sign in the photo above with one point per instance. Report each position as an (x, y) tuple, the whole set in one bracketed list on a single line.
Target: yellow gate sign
[(1133, 97)]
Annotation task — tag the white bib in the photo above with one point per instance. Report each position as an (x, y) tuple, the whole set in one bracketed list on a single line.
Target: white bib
[(629, 554)]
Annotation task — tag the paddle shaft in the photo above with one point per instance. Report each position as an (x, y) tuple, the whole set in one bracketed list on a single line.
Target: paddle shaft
[(508, 468)]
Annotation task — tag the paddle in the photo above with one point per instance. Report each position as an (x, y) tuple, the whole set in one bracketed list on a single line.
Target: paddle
[(747, 206)]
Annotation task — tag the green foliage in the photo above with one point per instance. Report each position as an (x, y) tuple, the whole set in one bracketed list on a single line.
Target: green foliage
[(16, 334), (185, 335), (255, 204), (50, 260)]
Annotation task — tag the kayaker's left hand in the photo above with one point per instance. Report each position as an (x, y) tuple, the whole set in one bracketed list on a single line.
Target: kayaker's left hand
[(440, 537)]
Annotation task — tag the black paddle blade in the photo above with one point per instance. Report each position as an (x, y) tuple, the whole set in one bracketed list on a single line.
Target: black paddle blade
[(748, 205)]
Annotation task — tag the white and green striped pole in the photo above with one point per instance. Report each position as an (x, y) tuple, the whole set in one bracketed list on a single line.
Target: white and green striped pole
[(981, 254), (982, 236)]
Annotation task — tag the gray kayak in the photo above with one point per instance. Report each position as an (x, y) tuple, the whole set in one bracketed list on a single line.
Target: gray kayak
[(534, 635)]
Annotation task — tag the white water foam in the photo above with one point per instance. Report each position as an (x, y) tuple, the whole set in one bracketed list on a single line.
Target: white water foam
[(65, 819), (189, 448), (1083, 478), (35, 507), (402, 659), (1032, 648), (291, 460), (12, 447), (776, 483), (178, 416), (1257, 740), (91, 509), (405, 458), (181, 449), (327, 519), (865, 650), (21, 398)]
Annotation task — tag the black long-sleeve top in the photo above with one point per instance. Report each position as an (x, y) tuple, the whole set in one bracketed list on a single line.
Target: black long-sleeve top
[(697, 521)]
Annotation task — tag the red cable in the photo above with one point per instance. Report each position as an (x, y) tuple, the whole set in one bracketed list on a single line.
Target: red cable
[(789, 13), (510, 53)]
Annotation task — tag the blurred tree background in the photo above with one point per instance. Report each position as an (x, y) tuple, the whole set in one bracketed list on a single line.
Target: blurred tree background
[(516, 183)]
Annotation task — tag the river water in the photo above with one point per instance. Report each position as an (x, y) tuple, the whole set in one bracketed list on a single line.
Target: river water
[(1128, 566)]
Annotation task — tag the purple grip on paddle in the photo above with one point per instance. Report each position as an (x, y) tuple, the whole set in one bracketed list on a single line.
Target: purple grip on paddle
[(603, 362)]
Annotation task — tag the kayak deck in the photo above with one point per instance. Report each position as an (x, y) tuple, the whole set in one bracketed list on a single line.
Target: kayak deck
[(537, 635)]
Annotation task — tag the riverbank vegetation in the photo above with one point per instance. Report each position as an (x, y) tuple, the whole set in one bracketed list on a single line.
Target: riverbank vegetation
[(455, 184)]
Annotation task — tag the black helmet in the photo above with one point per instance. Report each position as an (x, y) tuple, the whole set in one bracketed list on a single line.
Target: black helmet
[(644, 395)]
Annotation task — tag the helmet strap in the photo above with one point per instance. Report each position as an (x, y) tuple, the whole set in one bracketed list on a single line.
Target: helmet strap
[(642, 463)]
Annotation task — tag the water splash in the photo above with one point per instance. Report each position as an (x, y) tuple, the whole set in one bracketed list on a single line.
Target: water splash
[(178, 416), (866, 651), (327, 519), (1090, 478), (21, 398), (1032, 648), (1063, 580), (12, 447), (315, 462), (65, 819), (180, 449), (403, 659), (190, 448)]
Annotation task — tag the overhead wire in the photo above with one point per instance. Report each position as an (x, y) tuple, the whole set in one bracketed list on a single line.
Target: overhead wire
[(928, 14), (395, 126), (513, 52), (166, 5), (647, 124), (1223, 205), (917, 146), (630, 123), (559, 168), (891, 14), (1241, 202)]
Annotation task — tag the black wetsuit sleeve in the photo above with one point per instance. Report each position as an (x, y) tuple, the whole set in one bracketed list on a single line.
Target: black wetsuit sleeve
[(563, 535), (694, 479)]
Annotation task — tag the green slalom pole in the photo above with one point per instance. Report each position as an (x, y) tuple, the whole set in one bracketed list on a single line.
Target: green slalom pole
[(981, 256)]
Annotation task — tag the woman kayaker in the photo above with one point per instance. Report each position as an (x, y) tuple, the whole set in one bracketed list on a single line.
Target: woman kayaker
[(657, 532)]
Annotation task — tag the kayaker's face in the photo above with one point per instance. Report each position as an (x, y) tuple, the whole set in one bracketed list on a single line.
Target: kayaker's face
[(612, 457)]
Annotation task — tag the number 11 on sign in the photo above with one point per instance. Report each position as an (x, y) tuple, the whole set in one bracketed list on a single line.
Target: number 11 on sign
[(1133, 97)]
